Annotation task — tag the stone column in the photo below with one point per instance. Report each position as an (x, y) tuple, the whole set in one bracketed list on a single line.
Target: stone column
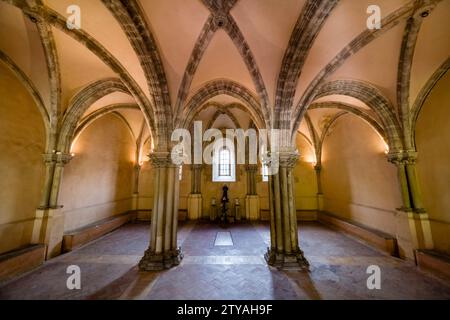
[(413, 226), (284, 252), (163, 252), (320, 198), (252, 210), (48, 226), (135, 196), (419, 219), (195, 202)]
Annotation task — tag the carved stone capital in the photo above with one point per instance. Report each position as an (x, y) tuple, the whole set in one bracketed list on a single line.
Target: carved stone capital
[(63, 158), (288, 159), (49, 158), (57, 158), (403, 157), (161, 160)]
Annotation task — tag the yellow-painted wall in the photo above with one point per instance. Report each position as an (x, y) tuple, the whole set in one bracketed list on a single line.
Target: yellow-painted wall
[(22, 143), (433, 164), (98, 182), (358, 182), (305, 182)]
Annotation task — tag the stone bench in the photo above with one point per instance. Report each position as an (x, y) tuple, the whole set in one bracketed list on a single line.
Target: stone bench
[(434, 262), (16, 262), (76, 238), (383, 241)]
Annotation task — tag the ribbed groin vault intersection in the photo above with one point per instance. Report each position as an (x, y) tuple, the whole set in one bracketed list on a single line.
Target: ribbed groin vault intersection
[(347, 170)]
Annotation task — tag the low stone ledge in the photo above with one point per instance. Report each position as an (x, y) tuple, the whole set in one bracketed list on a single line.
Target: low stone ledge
[(383, 241), (434, 262), (17, 262), (302, 215), (76, 238)]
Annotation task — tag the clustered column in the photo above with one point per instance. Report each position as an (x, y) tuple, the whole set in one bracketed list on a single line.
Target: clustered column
[(163, 252), (418, 219), (284, 252), (252, 170), (252, 210), (320, 198), (48, 227), (195, 198), (137, 172)]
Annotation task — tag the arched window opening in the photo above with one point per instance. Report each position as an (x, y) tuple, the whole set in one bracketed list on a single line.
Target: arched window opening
[(224, 169)]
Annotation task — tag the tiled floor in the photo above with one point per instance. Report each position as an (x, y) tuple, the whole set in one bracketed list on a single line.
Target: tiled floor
[(238, 271)]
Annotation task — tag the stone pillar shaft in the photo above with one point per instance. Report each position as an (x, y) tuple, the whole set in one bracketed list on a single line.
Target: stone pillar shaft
[(196, 179), (318, 169), (48, 225), (251, 179), (285, 252), (163, 252), (418, 220)]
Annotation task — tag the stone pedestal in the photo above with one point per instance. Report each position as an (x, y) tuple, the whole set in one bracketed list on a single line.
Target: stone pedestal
[(419, 224), (48, 229), (252, 209), (194, 205), (403, 234)]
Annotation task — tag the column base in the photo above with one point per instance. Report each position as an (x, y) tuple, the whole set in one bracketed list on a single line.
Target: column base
[(152, 261), (282, 261)]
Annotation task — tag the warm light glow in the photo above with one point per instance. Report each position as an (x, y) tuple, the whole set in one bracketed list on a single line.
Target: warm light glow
[(310, 158)]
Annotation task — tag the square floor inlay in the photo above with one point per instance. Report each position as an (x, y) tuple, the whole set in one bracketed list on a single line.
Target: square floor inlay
[(223, 239)]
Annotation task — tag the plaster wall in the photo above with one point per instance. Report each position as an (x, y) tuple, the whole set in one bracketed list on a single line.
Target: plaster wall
[(22, 143), (98, 181), (358, 182), (433, 163)]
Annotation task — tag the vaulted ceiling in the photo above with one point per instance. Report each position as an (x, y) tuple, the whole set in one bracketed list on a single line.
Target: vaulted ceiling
[(246, 43)]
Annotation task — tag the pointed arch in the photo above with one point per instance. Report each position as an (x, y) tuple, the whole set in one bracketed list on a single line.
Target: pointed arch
[(359, 42), (308, 26), (218, 113), (374, 99), (218, 87), (153, 114), (423, 95), (81, 102), (131, 18), (89, 119)]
